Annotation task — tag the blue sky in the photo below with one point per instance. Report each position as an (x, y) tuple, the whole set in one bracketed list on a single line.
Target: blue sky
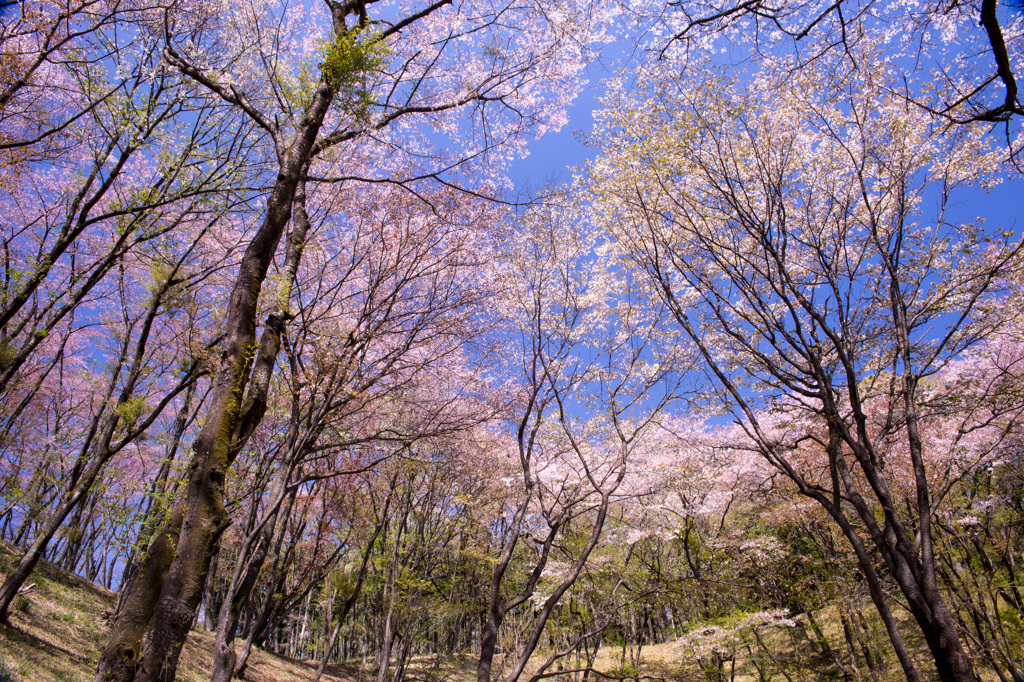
[(554, 155)]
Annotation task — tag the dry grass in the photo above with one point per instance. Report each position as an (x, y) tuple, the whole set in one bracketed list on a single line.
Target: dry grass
[(58, 629), (793, 654), (57, 632)]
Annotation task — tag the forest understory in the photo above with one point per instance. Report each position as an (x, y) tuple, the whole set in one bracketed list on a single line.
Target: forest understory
[(58, 627)]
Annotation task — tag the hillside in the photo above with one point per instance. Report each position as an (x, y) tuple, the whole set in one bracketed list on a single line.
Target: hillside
[(58, 628)]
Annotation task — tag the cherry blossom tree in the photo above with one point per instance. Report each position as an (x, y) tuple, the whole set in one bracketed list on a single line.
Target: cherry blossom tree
[(973, 414), (378, 361), (380, 515), (108, 159), (785, 227), (118, 420), (336, 94), (120, 158), (594, 380), (960, 62), (141, 361)]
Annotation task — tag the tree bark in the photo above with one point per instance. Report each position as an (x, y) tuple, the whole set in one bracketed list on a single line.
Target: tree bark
[(204, 517), (248, 567), (121, 654)]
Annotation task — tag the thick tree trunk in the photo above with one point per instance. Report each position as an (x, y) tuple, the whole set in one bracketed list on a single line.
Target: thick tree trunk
[(204, 517), (910, 570), (878, 597), (488, 645), (153, 511), (122, 652), (939, 629), (248, 567)]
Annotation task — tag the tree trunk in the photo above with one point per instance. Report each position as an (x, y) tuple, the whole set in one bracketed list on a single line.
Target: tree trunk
[(247, 570), (488, 645), (122, 651), (242, 582), (204, 517)]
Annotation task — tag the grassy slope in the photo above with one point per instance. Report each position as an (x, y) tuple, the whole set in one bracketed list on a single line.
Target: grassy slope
[(58, 629)]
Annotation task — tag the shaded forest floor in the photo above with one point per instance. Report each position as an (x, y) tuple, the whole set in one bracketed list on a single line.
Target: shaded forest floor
[(58, 629)]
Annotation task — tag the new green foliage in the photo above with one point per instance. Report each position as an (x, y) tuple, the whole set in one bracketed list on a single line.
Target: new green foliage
[(345, 64), (349, 58)]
